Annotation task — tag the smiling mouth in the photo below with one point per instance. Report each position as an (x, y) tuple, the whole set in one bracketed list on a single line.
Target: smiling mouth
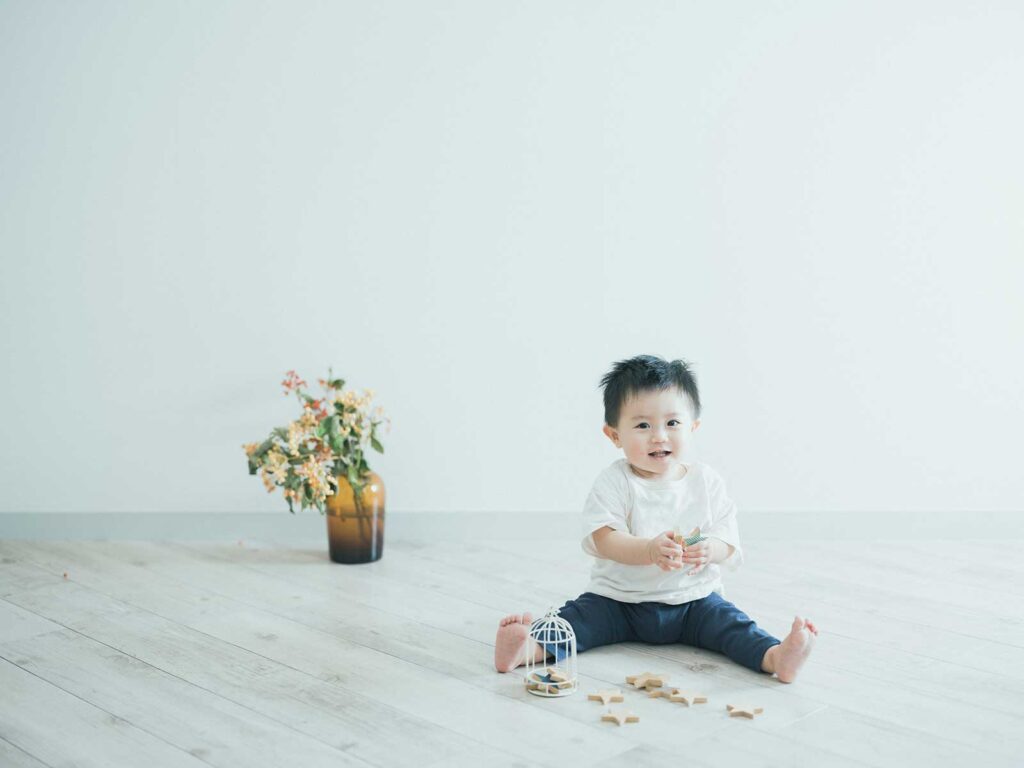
[(659, 454)]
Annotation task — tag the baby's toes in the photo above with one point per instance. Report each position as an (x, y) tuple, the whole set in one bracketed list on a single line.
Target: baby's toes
[(527, 618)]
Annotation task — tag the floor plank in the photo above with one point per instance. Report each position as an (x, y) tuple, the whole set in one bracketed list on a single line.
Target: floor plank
[(196, 720), (15, 757), (58, 728)]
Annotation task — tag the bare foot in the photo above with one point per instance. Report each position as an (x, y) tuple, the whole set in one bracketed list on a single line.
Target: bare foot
[(510, 644), (785, 660)]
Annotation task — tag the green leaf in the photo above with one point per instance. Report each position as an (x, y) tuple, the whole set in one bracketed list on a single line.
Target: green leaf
[(337, 383), (265, 446), (376, 444), (281, 432)]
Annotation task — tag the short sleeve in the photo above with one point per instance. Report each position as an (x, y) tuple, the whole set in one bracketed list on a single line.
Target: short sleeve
[(724, 525), (606, 505)]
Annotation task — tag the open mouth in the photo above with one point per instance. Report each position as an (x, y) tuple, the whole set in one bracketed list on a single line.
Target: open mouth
[(659, 454)]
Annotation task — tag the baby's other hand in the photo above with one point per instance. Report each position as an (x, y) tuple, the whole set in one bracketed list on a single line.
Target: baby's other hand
[(664, 552), (704, 552)]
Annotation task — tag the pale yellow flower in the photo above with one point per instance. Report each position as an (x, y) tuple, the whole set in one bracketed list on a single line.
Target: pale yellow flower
[(308, 420), (294, 438), (267, 482), (319, 477), (277, 465)]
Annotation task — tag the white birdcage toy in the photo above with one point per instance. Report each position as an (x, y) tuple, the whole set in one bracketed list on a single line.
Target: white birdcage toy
[(555, 677)]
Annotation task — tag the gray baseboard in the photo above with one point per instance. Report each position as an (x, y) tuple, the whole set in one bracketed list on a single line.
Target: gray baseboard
[(431, 526)]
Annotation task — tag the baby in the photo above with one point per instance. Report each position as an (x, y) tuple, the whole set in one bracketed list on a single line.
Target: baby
[(644, 585)]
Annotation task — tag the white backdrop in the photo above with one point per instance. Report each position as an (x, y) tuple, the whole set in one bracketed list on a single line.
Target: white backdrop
[(475, 207)]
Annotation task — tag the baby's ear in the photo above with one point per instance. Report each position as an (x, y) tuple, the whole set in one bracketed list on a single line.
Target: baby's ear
[(612, 435), (696, 423)]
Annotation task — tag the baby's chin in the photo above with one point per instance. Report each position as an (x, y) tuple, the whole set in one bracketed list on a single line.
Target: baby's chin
[(662, 466)]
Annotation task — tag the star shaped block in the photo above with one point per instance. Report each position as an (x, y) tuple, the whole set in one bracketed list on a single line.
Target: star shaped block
[(544, 681), (557, 675), (646, 680), (693, 537), (605, 696), (619, 717), (687, 697), (746, 711), (659, 692)]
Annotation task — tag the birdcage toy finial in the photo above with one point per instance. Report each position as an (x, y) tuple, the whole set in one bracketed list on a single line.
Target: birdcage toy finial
[(555, 677)]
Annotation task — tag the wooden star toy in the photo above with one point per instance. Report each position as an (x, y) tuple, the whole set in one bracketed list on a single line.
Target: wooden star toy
[(605, 696), (693, 537), (746, 711), (557, 675), (619, 716), (551, 682), (646, 680), (659, 692), (687, 697)]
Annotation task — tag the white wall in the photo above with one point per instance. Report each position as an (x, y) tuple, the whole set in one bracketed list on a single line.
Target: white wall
[(475, 207)]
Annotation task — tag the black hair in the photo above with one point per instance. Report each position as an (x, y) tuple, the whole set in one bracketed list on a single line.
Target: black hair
[(644, 373)]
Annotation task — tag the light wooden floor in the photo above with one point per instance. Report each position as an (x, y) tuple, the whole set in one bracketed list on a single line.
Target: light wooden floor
[(243, 654)]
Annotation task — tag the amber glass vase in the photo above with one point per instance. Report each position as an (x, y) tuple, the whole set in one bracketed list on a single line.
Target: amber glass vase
[(355, 527)]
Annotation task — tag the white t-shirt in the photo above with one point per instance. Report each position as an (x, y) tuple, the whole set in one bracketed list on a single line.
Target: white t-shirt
[(626, 502)]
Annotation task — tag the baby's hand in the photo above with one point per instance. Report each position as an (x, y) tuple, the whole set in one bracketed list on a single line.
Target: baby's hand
[(664, 552), (704, 552)]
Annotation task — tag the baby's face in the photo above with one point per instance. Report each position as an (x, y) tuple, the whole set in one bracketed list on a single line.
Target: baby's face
[(654, 427)]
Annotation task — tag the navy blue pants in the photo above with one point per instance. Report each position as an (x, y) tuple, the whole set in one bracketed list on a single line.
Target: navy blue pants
[(712, 623)]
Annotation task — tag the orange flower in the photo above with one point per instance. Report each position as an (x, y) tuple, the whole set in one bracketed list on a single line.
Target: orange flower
[(292, 382), (318, 409)]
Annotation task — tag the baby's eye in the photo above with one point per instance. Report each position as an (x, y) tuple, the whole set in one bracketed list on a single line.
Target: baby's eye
[(674, 421), (642, 425)]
